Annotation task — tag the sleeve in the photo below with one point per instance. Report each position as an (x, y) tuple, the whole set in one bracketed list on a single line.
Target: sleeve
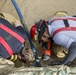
[(71, 54)]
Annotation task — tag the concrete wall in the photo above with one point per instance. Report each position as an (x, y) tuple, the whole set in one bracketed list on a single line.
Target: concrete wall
[(34, 10)]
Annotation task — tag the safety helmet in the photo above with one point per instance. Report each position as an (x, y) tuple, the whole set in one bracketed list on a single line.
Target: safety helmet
[(33, 31), (37, 30)]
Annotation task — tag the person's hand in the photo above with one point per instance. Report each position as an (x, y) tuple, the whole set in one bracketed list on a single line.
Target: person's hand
[(56, 62), (17, 23)]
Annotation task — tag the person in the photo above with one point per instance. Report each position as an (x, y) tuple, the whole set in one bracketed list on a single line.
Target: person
[(62, 29), (12, 40), (46, 46)]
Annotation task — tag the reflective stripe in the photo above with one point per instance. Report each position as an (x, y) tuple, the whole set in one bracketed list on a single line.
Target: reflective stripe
[(64, 29), (14, 34), (6, 46), (13, 58), (74, 19)]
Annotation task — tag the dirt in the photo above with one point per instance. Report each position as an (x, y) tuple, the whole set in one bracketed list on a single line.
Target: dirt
[(34, 10)]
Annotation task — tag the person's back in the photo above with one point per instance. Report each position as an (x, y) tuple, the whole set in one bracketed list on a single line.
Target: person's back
[(63, 27)]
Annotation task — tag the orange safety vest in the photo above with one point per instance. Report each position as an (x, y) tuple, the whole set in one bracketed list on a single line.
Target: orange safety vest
[(46, 48)]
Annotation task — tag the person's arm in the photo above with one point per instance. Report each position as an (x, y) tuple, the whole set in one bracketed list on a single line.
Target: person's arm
[(71, 54), (17, 23), (69, 58)]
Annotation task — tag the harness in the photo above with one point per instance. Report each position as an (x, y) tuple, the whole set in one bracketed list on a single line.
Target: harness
[(66, 28), (11, 39)]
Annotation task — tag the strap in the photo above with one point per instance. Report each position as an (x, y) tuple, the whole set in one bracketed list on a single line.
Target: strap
[(64, 29), (66, 22), (14, 34), (74, 19), (6, 46)]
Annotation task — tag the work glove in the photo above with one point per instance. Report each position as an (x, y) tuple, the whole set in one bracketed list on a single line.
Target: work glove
[(56, 62)]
